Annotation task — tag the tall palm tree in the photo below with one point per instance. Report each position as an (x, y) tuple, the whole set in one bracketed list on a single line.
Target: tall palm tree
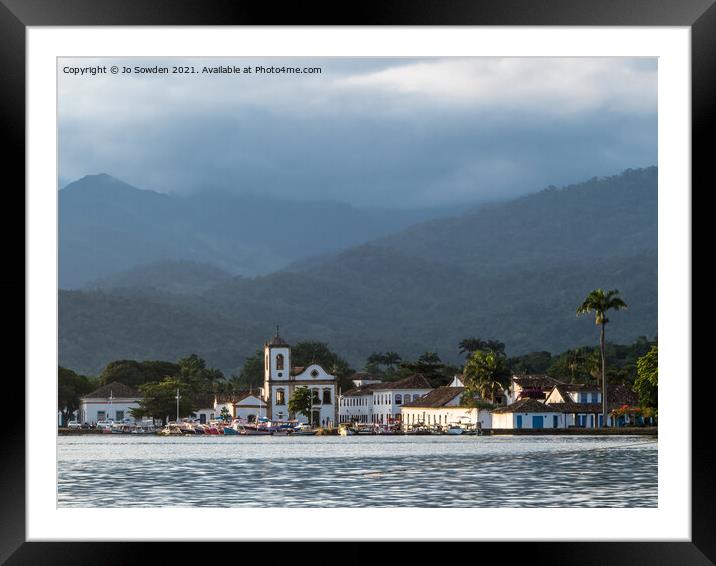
[(599, 302)]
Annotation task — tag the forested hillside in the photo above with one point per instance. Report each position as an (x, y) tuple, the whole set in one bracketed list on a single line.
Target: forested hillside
[(107, 227), (514, 271)]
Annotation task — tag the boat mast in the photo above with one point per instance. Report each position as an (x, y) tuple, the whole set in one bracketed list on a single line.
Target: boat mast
[(177, 398)]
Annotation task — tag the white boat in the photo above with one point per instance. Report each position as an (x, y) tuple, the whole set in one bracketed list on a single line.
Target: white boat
[(455, 429), (170, 430), (345, 430)]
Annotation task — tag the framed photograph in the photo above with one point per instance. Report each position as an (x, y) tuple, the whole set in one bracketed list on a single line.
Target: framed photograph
[(409, 277)]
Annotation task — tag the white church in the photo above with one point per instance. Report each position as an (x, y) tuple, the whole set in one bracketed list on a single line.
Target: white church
[(281, 380)]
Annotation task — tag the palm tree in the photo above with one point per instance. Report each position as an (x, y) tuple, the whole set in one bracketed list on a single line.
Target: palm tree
[(486, 374), (599, 302), (575, 361), (391, 359), (470, 345)]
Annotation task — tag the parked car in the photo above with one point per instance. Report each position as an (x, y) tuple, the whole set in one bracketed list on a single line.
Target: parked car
[(74, 424), (104, 424)]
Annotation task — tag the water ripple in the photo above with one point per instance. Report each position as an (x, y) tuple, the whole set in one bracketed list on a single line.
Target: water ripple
[(401, 471)]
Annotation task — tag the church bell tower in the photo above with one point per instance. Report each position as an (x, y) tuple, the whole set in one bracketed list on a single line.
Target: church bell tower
[(277, 364)]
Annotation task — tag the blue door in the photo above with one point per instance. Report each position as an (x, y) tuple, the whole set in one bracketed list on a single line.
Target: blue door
[(537, 421), (555, 421), (519, 421)]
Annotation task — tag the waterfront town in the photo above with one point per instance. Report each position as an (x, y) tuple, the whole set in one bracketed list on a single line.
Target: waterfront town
[(535, 403)]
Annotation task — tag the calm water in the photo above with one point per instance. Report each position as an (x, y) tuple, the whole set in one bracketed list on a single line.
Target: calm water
[(366, 471)]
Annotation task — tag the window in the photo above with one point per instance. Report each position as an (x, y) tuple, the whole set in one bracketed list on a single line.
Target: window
[(326, 396), (279, 361), (314, 373), (316, 400), (280, 397), (267, 362), (101, 415), (120, 415), (398, 399)]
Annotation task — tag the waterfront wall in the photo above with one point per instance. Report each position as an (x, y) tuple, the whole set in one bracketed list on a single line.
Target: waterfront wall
[(628, 431)]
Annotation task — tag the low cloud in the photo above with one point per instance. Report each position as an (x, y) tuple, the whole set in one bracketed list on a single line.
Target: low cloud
[(394, 132)]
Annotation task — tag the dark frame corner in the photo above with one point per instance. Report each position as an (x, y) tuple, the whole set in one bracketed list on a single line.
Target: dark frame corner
[(700, 15)]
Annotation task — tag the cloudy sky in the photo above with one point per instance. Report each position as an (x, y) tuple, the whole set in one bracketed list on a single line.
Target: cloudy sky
[(393, 132)]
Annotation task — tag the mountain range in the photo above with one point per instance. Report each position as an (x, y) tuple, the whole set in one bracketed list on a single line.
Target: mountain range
[(513, 271), (107, 227)]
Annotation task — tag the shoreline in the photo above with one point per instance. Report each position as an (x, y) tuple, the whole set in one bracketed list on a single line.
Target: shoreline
[(620, 431)]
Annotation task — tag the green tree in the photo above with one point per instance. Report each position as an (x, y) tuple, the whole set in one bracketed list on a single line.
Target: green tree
[(533, 362), (70, 388), (470, 345), (191, 370), (391, 360), (429, 365), (194, 373), (600, 302), (215, 378), (577, 365), (301, 402), (225, 415), (159, 400), (374, 362), (485, 374), (646, 384), (252, 372), (134, 373)]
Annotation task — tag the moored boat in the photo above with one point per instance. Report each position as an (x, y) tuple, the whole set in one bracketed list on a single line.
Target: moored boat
[(346, 430), (170, 430)]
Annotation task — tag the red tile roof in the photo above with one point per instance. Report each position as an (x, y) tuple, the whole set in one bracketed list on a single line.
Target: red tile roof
[(437, 397)]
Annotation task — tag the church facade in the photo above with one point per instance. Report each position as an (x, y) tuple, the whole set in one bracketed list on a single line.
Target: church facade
[(281, 380)]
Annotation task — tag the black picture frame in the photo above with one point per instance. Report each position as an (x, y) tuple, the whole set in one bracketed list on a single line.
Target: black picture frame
[(699, 15)]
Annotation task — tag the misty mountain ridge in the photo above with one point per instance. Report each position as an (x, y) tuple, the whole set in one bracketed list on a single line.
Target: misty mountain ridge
[(108, 227), (600, 218), (170, 276), (512, 271)]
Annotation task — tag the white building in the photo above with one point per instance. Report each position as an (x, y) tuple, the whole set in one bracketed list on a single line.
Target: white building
[(110, 402), (581, 405), (443, 407), (244, 405), (380, 403), (566, 405), (527, 413), (247, 406), (281, 380), (362, 378)]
